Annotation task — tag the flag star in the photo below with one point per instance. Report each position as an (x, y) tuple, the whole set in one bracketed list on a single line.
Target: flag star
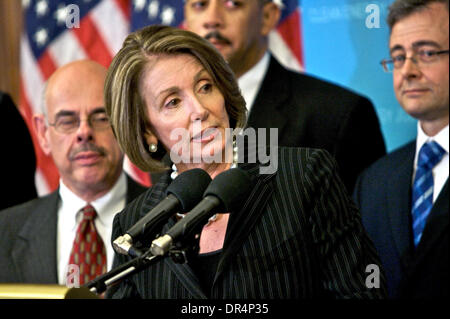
[(139, 5), (279, 3), (153, 9), (25, 4), (41, 37), (168, 15), (41, 8), (61, 14)]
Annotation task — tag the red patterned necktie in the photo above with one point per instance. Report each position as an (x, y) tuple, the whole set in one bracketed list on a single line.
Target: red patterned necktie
[(88, 251)]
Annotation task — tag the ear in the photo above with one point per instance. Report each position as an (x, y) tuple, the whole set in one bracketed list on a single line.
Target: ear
[(40, 129), (271, 14)]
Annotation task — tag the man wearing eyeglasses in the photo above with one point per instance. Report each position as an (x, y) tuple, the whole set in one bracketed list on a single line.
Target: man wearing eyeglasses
[(64, 237), (404, 197)]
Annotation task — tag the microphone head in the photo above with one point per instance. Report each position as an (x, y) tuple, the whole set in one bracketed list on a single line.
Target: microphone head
[(231, 187), (188, 187)]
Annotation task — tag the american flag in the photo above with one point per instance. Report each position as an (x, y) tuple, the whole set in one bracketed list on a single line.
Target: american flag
[(52, 38), (285, 42), (48, 43)]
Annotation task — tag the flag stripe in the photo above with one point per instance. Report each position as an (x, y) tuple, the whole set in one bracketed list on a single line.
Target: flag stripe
[(289, 29), (46, 64), (31, 75), (125, 8), (66, 48), (92, 41), (283, 52), (113, 37)]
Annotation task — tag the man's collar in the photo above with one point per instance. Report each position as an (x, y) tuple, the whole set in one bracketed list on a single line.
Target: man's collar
[(251, 81)]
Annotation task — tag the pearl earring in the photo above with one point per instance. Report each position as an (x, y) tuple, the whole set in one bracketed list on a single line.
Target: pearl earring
[(153, 148)]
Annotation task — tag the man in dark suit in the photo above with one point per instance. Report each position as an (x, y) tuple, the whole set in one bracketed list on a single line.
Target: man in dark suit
[(404, 197), (307, 112), (18, 159), (44, 239)]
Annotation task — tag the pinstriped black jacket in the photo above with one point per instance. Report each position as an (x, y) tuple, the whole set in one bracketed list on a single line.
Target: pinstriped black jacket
[(298, 235)]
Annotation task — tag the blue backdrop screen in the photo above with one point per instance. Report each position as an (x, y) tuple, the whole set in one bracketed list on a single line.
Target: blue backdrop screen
[(343, 42)]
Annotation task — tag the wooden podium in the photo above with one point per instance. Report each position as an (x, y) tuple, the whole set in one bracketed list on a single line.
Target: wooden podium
[(36, 291)]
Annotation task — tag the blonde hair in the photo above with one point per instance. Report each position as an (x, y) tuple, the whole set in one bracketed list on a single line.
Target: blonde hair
[(124, 103)]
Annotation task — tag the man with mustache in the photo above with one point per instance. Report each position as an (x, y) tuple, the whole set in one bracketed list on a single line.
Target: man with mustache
[(59, 238), (403, 197), (307, 112)]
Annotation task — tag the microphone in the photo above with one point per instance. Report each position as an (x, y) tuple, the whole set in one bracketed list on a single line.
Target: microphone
[(225, 193), (182, 194)]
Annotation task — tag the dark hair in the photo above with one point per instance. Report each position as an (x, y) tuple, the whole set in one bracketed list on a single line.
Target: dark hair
[(403, 8)]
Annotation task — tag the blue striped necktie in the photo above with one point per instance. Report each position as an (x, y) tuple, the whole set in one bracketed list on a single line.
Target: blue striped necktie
[(422, 199)]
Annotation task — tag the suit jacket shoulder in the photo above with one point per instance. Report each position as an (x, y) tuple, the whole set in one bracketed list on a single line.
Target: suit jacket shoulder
[(28, 237), (134, 189), (309, 112), (140, 206), (28, 241), (377, 174), (13, 219)]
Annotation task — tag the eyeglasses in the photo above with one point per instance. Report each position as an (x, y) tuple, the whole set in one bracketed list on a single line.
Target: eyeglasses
[(422, 57), (69, 123)]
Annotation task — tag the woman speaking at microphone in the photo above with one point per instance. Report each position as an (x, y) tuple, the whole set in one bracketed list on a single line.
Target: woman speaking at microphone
[(296, 234)]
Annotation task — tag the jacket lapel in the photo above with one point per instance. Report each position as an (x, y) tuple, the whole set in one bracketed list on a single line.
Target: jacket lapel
[(183, 272), (241, 222), (34, 252), (187, 277), (399, 205), (270, 99)]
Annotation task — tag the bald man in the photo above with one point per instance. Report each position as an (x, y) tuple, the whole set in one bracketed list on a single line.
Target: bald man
[(44, 240)]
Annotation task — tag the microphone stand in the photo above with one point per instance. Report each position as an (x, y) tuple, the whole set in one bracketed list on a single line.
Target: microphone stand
[(101, 283), (179, 254)]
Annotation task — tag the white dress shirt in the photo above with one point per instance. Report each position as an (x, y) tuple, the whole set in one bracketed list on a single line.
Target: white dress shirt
[(69, 216), (440, 171), (250, 82)]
